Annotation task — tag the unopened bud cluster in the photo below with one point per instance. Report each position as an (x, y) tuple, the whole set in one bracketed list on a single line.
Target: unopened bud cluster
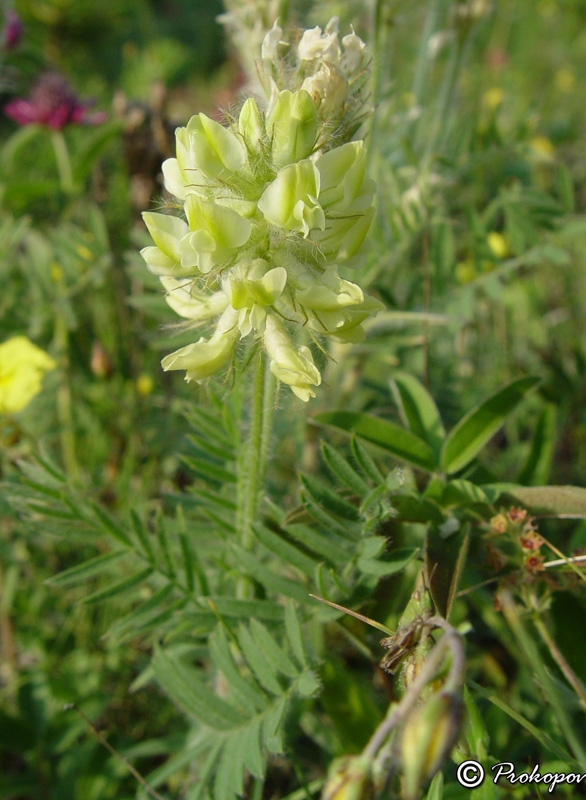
[(513, 540), (268, 211)]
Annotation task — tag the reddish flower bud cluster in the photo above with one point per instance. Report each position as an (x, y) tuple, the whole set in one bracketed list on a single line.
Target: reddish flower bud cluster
[(54, 104)]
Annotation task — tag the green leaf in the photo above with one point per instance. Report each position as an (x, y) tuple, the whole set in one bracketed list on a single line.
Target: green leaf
[(165, 545), (109, 525), (401, 443), (246, 692), (293, 628), (411, 508), (389, 563), (268, 577), (235, 608), (94, 144), (272, 726), (444, 560), (342, 469), (329, 500), (272, 651), (541, 737), (209, 470), (563, 502), (118, 588), (327, 544), (142, 535), (144, 613), (260, 666), (536, 470), (307, 684), (254, 760), (324, 519), (463, 493), (474, 430), (184, 687), (365, 462), (95, 566), (284, 550), (419, 409)]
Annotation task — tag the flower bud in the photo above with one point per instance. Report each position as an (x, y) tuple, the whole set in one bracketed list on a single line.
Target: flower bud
[(290, 201), (183, 297), (328, 89), (250, 125), (292, 127), (213, 148), (294, 366), (349, 778), (315, 44), (206, 356), (215, 234), (167, 232), (270, 44), (429, 735), (353, 56)]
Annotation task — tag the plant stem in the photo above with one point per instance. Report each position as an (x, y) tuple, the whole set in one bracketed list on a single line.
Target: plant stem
[(560, 660), (253, 467), (63, 161), (452, 642), (64, 411)]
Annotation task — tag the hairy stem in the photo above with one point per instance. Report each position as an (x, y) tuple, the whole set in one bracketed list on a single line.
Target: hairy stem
[(254, 466)]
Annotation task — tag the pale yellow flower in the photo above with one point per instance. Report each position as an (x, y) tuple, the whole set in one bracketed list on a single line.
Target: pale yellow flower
[(498, 244), (492, 98), (543, 146), (22, 366), (565, 79)]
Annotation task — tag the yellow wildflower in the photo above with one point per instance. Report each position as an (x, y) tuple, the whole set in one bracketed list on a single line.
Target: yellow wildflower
[(565, 79), (22, 366), (465, 271), (543, 146), (498, 244), (492, 98), (144, 384)]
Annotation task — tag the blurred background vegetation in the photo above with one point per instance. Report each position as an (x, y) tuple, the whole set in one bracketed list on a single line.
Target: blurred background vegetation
[(479, 253)]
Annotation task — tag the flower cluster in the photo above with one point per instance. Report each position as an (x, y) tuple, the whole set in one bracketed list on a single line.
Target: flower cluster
[(52, 103), (269, 216), (22, 366), (331, 70), (518, 540)]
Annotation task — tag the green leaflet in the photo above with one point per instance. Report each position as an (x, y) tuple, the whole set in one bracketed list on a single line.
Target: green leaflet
[(284, 550), (118, 588), (245, 691), (539, 459), (419, 409), (401, 443), (268, 577), (293, 628), (329, 500), (476, 429), (271, 650), (565, 502), (95, 566), (185, 688), (343, 470)]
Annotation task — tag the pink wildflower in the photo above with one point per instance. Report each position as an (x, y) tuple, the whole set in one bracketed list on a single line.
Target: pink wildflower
[(12, 32), (52, 103)]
